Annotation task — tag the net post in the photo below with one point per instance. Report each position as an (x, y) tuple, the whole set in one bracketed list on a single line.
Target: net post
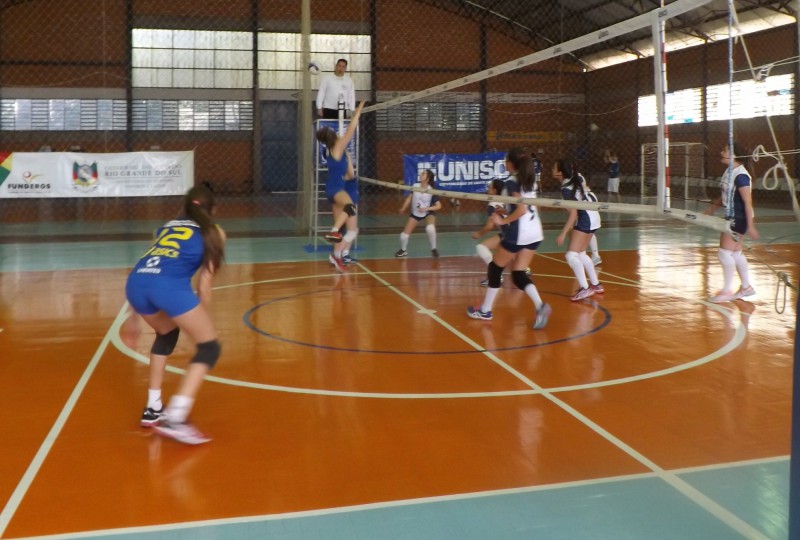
[(794, 476), (660, 76), (306, 123)]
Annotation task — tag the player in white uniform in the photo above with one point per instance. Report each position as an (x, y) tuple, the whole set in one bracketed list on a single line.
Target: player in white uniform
[(423, 206), (580, 225), (737, 199), (519, 243)]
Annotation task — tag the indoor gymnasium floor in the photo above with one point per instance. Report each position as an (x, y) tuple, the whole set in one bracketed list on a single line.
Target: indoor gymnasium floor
[(368, 406)]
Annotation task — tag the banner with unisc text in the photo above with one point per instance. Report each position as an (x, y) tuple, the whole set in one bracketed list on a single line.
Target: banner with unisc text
[(468, 173), (68, 174)]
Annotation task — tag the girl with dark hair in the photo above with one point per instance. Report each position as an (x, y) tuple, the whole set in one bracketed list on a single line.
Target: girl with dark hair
[(487, 246), (580, 225), (340, 170), (736, 197), (159, 288), (423, 206), (519, 244)]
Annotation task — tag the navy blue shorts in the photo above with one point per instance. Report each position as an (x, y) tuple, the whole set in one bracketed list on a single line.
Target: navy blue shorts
[(739, 225), (412, 216), (513, 248), (150, 300), (583, 230)]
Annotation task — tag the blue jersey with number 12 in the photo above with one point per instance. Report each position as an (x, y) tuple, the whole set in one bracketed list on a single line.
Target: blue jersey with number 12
[(176, 254)]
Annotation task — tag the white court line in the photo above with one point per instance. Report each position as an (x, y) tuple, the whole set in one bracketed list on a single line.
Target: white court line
[(702, 500), (33, 469), (735, 341), (387, 504)]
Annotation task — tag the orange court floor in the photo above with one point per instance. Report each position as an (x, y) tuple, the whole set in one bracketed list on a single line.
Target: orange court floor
[(368, 405)]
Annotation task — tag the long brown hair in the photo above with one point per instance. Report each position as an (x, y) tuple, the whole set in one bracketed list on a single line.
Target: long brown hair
[(520, 158), (198, 204), (327, 136)]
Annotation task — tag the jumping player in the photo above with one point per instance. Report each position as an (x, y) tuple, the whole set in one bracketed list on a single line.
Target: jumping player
[(423, 206), (340, 169), (581, 226), (737, 199), (520, 242), (159, 289)]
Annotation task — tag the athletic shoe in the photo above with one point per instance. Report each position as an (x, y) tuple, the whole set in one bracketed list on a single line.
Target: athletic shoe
[(347, 259), (580, 294), (598, 289), (724, 297), (485, 281), (748, 291), (434, 253), (401, 253), (476, 313), (528, 271), (336, 262), (542, 316), (334, 237), (596, 260), (185, 432), (151, 417)]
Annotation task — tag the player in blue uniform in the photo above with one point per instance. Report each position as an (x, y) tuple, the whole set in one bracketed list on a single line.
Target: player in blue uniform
[(581, 226), (519, 243), (340, 171), (159, 288), (351, 186), (737, 199), (423, 206)]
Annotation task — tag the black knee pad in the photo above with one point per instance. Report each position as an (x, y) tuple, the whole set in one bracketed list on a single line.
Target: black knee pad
[(207, 353), (520, 279), (350, 209), (164, 344), (495, 275)]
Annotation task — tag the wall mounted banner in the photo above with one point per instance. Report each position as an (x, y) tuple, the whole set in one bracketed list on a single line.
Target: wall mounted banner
[(468, 173), (68, 174)]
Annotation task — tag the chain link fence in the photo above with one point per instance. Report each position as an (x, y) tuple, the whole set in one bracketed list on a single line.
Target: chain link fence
[(226, 80)]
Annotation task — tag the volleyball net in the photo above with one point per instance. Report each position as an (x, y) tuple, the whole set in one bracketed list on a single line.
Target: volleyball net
[(603, 102)]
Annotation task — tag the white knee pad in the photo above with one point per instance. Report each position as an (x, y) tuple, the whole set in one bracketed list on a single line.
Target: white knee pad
[(484, 253), (726, 257), (572, 257), (430, 228), (350, 236)]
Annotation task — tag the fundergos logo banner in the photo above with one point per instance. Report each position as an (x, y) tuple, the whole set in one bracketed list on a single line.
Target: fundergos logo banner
[(467, 173)]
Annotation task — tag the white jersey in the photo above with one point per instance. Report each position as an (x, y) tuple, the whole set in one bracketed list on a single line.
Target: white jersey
[(528, 228), (588, 220), (421, 200)]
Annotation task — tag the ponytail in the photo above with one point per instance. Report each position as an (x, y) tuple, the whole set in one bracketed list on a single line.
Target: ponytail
[(520, 158), (198, 204), (742, 155)]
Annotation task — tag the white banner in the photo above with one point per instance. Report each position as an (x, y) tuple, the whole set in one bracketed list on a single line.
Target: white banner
[(67, 174)]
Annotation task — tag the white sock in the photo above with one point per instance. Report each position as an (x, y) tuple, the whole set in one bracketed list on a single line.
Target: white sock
[(484, 253), (742, 267), (593, 246), (179, 408), (574, 262), (154, 399), (588, 267), (533, 294), (430, 230), (728, 266), (488, 300), (403, 241)]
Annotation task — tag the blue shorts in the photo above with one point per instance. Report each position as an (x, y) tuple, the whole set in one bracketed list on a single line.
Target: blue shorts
[(173, 301), (351, 187), (513, 248), (412, 216), (739, 225), (332, 187), (584, 230)]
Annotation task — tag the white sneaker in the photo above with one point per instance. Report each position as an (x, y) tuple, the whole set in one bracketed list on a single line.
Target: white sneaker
[(723, 296), (542, 316), (580, 294), (596, 260), (745, 291), (185, 432)]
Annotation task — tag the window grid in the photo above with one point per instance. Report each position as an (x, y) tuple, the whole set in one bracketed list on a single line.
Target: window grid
[(430, 116), (63, 115), (192, 115)]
